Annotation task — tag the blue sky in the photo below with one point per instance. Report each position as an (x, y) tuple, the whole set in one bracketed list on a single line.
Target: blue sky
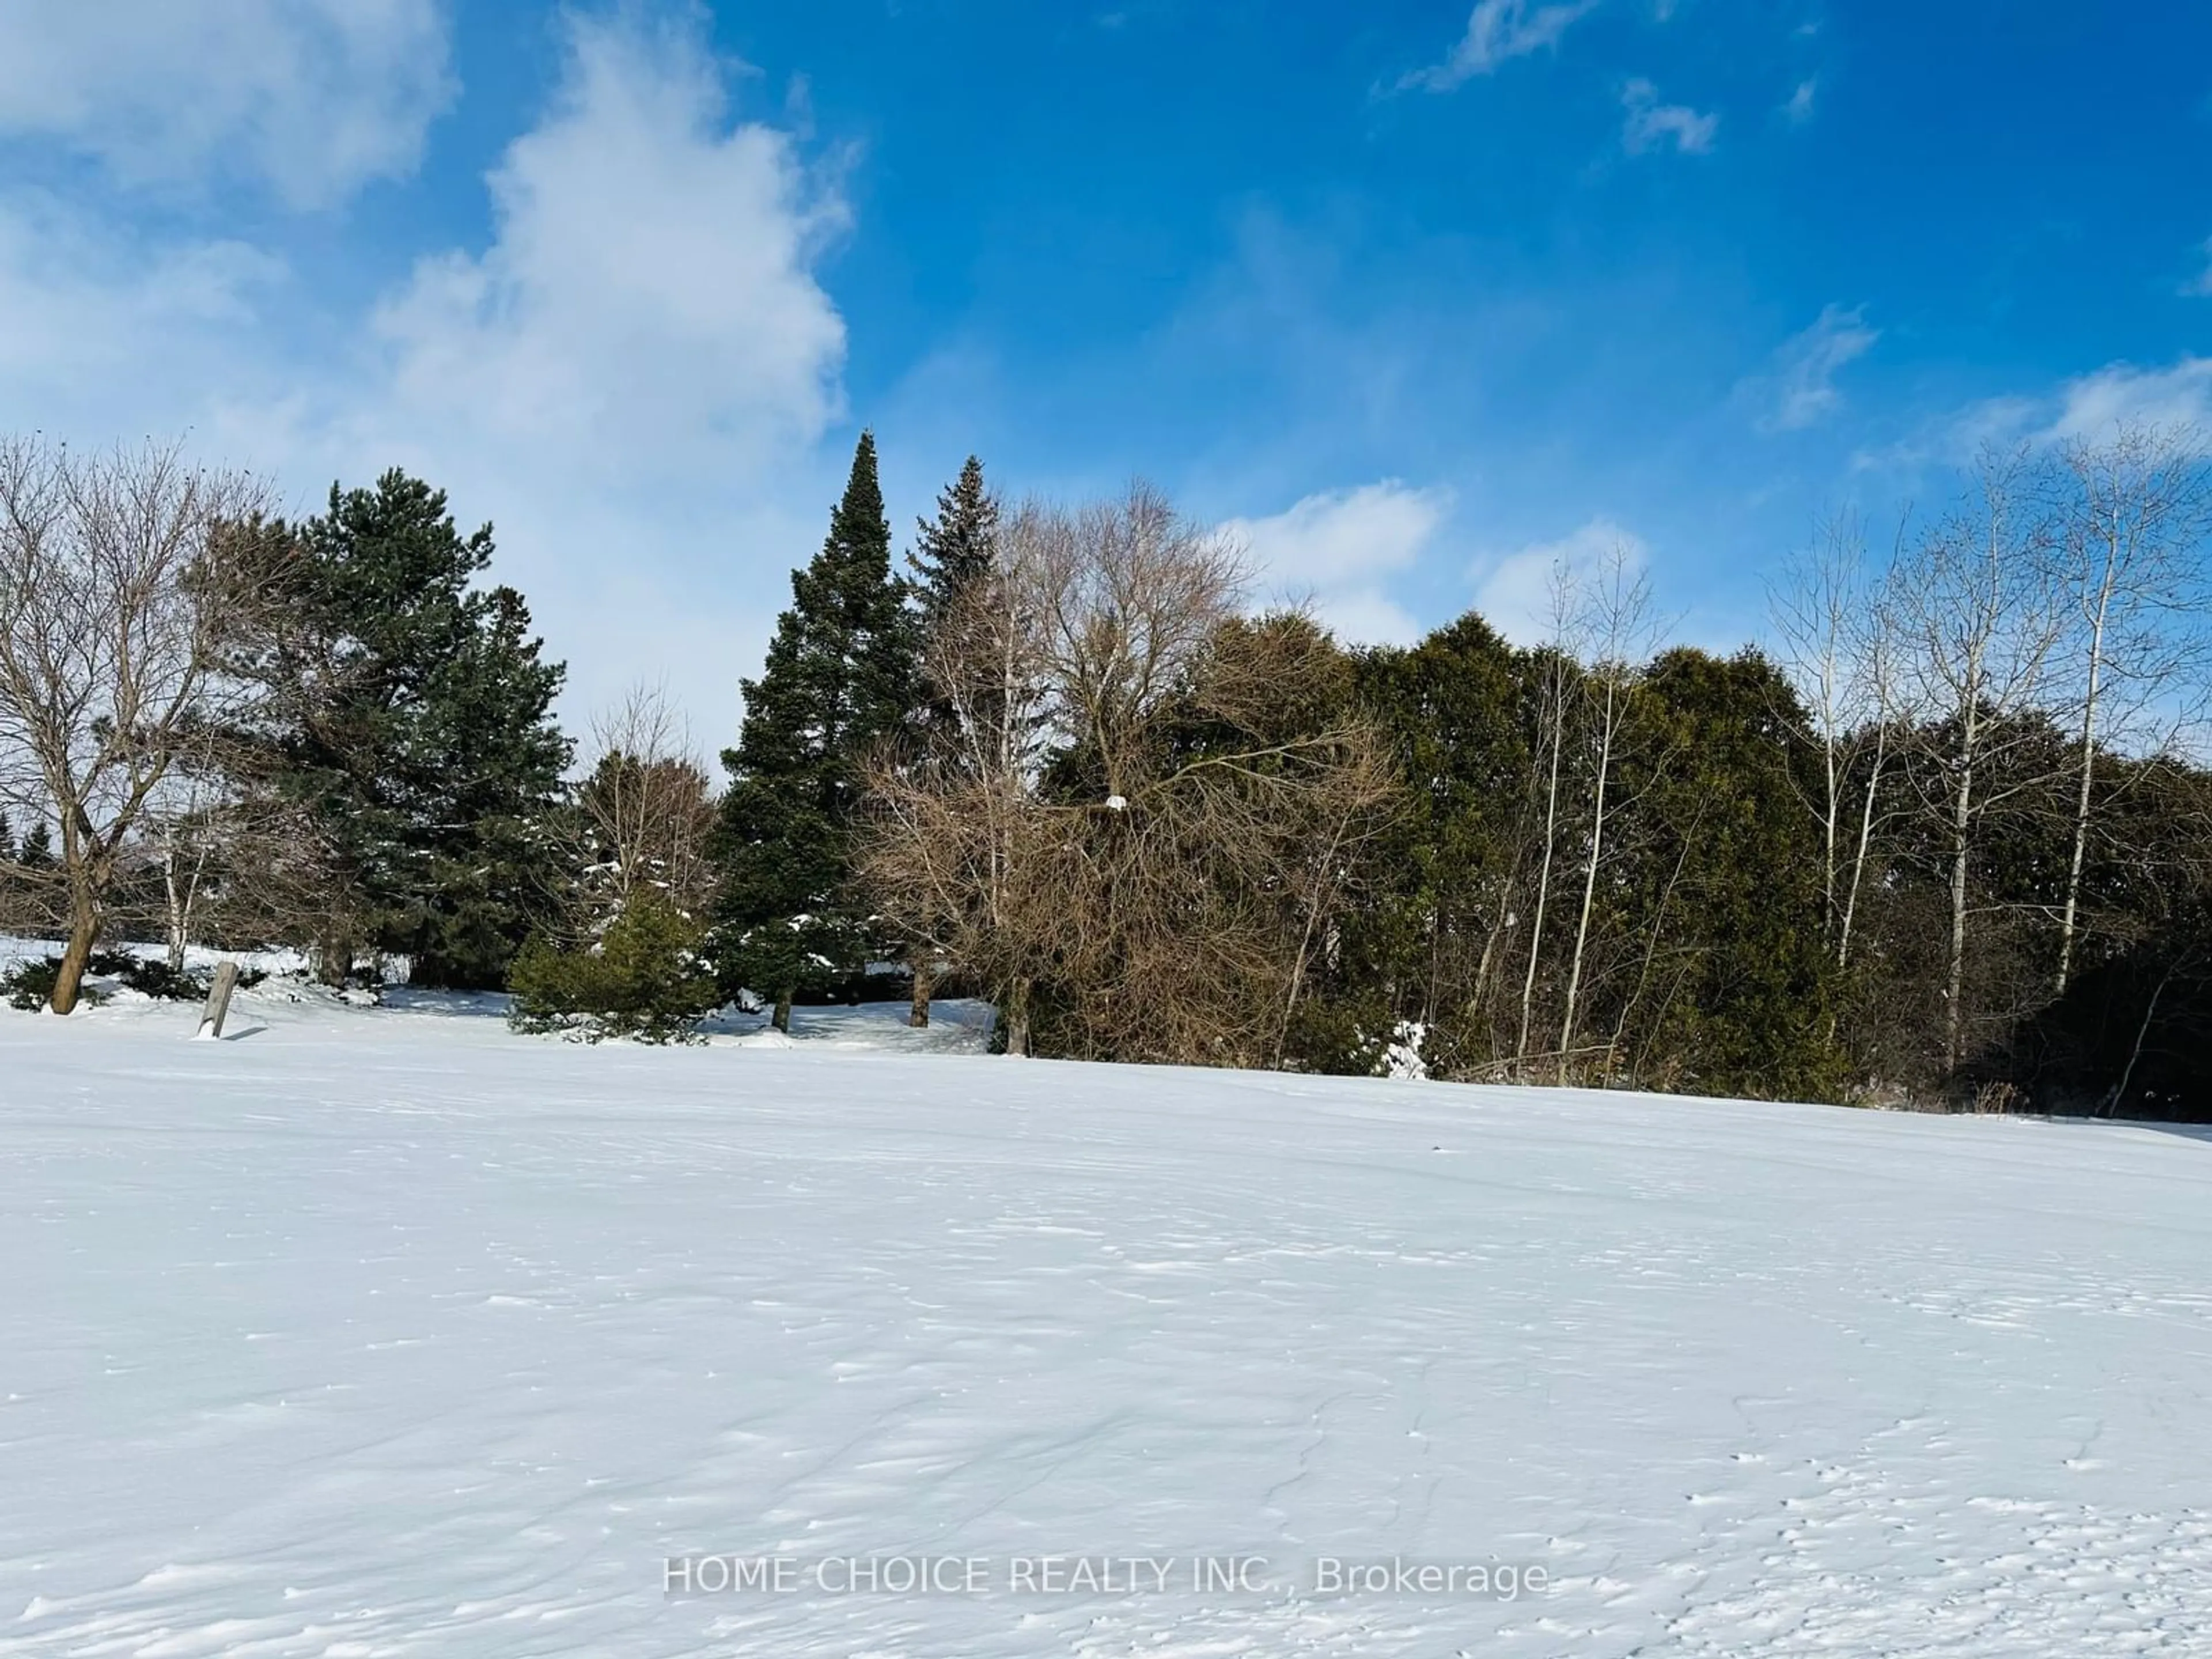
[(1414, 297)]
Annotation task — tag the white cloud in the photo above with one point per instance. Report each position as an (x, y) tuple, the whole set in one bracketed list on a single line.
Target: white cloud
[(2088, 406), (1497, 32), (647, 307), (313, 96), (1800, 390), (2199, 287), (1650, 123), (2093, 406), (1336, 547), (88, 319), (1799, 109), (1513, 591), (634, 378)]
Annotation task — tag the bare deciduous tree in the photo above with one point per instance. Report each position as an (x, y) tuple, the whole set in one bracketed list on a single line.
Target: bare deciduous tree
[(1833, 627), (1552, 742), (964, 802), (2131, 574), (648, 804), (117, 594), (186, 816), (1149, 808), (1979, 613), (1618, 625)]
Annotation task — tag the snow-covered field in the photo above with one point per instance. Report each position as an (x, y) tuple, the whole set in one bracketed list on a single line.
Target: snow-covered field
[(381, 1331)]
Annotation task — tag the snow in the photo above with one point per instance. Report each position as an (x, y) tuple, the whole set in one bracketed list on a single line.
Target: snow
[(379, 1331), (1401, 1059)]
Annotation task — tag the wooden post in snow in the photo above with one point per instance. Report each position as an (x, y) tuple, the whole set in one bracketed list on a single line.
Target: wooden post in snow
[(218, 1001)]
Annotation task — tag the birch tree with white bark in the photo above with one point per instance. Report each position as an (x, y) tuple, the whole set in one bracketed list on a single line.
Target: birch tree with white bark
[(1979, 618), (2136, 510), (1557, 674), (1620, 629), (1833, 624)]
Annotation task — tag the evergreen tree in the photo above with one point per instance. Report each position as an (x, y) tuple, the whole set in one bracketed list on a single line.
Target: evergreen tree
[(28, 891), (838, 684), (957, 549), (7, 839), (641, 978), (1733, 993), (406, 713), (38, 849), (1430, 942), (954, 558)]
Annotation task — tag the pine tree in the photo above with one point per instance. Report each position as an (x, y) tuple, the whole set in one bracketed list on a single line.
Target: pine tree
[(406, 713), (837, 683), (957, 548), (38, 849)]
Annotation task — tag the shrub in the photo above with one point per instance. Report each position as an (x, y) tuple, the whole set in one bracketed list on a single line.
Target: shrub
[(30, 985), (153, 976), (640, 979)]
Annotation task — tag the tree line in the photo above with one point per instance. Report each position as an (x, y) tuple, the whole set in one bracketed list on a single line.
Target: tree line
[(1943, 840)]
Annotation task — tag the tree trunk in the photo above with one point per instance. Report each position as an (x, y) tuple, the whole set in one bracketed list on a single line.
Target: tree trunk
[(176, 908), (924, 976), (1833, 811), (84, 927), (1859, 855), (1544, 867), (781, 1020), (183, 884), (1017, 1019), (1590, 878), (2142, 1032), (1961, 846), (2081, 804)]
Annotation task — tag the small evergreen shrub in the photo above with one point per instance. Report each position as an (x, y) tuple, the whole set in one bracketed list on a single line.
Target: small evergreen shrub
[(642, 979), (29, 985), (153, 976)]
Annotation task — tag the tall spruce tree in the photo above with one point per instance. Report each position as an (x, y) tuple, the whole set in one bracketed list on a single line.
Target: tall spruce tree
[(405, 714), (955, 555), (838, 683), (957, 549)]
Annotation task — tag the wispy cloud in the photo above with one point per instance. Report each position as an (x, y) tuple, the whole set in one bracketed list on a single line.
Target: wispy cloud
[(1799, 388), (313, 98), (101, 333), (1513, 591), (1499, 31), (1799, 109), (2088, 406), (2093, 406), (2199, 287), (1651, 123), (1334, 549)]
